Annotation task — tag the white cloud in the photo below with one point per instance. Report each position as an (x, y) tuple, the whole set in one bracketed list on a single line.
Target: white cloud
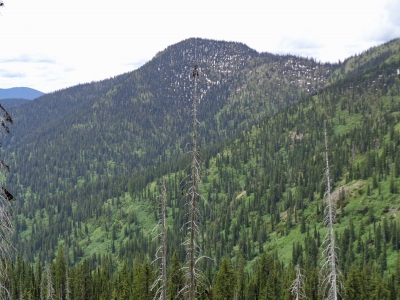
[(8, 74), (27, 59)]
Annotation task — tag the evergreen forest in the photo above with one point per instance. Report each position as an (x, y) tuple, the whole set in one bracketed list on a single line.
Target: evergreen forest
[(90, 166)]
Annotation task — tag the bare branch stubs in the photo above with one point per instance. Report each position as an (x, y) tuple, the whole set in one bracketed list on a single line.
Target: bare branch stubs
[(194, 278), (331, 279), (5, 209), (297, 288), (161, 252)]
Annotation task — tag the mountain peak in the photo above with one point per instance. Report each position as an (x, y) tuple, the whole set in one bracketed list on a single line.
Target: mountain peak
[(20, 93)]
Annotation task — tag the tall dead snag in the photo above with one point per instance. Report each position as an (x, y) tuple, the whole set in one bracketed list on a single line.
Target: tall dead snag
[(161, 252), (5, 210), (330, 282), (51, 293), (68, 291), (193, 277), (297, 287)]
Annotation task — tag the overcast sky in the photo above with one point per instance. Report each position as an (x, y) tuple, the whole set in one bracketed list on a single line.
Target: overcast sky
[(53, 44)]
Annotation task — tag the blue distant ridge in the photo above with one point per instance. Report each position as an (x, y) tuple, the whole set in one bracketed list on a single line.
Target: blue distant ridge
[(20, 93)]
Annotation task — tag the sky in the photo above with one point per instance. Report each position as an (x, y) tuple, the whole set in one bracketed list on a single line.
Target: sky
[(51, 44)]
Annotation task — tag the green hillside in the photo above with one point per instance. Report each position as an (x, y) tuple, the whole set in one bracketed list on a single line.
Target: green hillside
[(139, 119), (376, 57), (262, 137)]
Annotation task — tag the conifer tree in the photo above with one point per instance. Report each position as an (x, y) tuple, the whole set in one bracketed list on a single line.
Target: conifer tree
[(143, 277), (175, 278), (60, 271), (86, 281), (272, 290), (41, 289), (21, 293), (353, 285), (225, 282), (240, 282), (124, 286), (136, 284)]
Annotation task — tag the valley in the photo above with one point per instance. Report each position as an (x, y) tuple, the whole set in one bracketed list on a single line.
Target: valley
[(86, 164)]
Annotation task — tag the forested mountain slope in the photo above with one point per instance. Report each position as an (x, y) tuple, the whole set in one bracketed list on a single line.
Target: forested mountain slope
[(10, 102), (375, 57), (140, 118), (262, 184)]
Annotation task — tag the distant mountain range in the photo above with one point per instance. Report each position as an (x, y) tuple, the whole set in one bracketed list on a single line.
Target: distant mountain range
[(20, 93)]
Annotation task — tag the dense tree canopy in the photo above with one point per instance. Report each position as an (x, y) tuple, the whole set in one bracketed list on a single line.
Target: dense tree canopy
[(262, 179)]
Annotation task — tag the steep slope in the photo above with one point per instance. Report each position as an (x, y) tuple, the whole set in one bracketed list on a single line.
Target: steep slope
[(381, 56), (10, 102), (263, 188), (93, 131)]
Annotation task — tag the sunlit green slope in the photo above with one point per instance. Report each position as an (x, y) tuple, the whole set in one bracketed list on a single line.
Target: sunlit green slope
[(262, 186)]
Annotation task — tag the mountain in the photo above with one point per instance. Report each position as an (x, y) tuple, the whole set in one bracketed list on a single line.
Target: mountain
[(7, 103), (381, 57), (20, 93), (86, 163), (139, 119)]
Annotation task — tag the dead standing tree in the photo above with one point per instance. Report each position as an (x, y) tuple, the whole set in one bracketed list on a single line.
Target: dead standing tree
[(331, 276), (1, 4), (5, 210), (297, 287), (193, 277), (161, 252)]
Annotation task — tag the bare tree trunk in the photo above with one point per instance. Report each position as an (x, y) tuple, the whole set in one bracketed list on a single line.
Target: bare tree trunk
[(193, 192), (297, 287), (193, 277), (5, 211), (164, 241), (50, 288), (67, 286), (330, 273), (161, 292)]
